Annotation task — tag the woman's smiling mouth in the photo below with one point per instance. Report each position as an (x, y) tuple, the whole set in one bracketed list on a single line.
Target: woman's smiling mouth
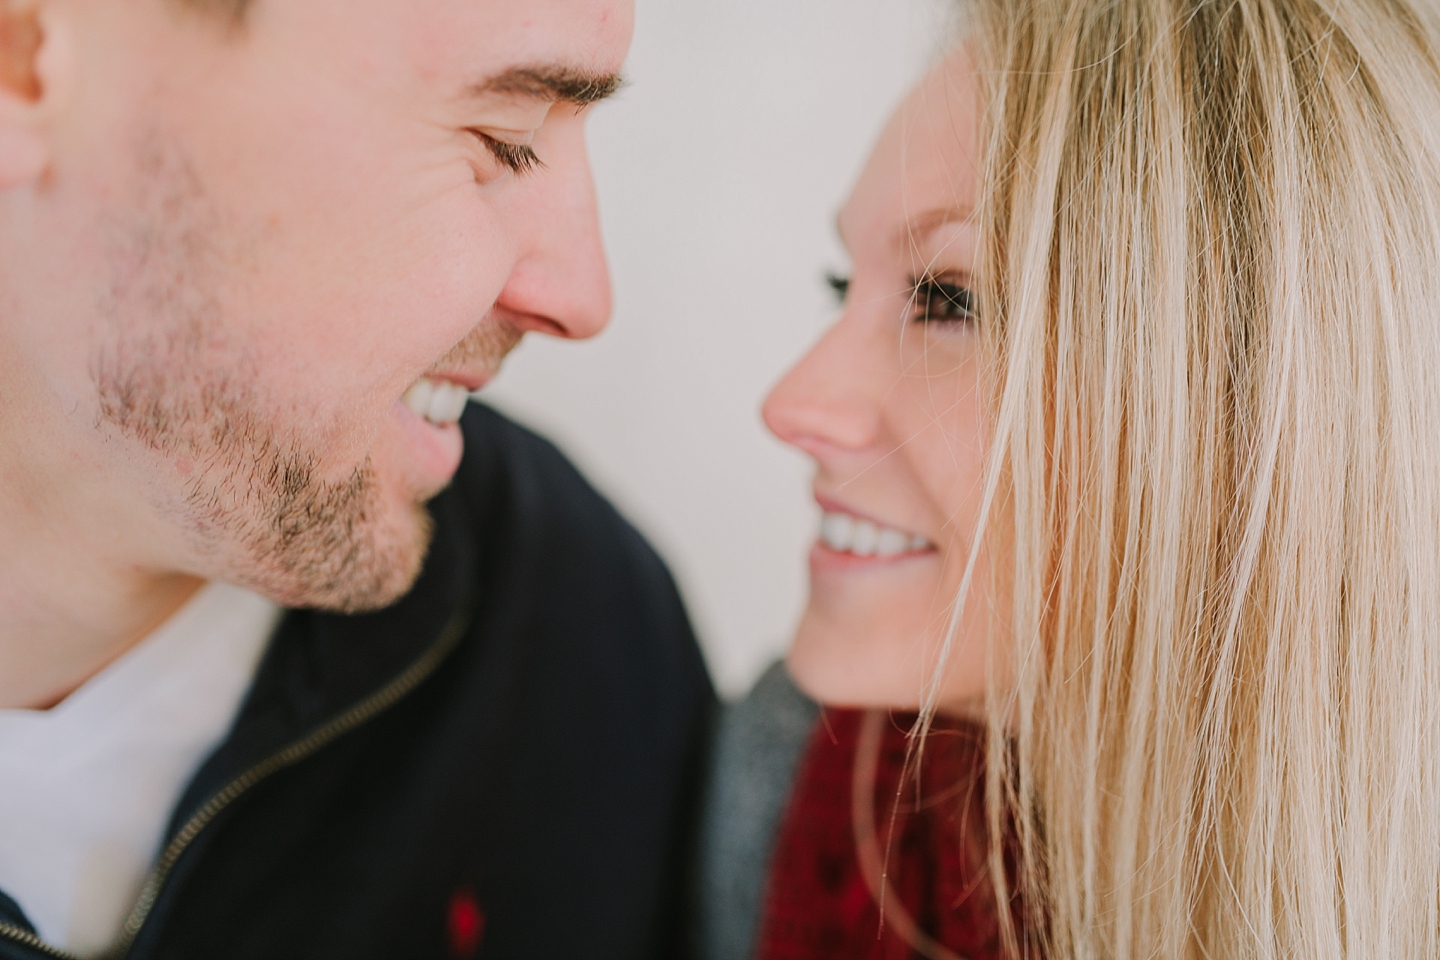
[(855, 536), (846, 534)]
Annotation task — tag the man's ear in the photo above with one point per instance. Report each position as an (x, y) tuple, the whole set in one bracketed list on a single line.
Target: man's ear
[(32, 61)]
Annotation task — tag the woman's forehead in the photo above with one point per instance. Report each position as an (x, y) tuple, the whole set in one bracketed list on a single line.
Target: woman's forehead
[(924, 171)]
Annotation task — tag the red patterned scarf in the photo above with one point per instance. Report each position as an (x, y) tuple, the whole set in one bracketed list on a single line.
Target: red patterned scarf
[(939, 904)]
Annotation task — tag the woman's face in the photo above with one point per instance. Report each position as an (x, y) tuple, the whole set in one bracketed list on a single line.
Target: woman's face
[(888, 404)]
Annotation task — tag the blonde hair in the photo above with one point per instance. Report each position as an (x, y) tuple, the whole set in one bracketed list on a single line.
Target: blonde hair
[(1211, 293)]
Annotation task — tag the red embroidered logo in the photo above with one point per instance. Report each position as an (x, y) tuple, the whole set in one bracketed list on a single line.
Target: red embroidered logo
[(466, 922)]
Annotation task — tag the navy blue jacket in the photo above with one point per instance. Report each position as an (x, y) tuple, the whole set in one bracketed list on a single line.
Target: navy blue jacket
[(502, 765)]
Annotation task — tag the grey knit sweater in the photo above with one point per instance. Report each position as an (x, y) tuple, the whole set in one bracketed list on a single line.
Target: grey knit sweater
[(759, 743)]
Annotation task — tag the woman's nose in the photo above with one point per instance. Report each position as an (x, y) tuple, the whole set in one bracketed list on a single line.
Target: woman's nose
[(829, 400)]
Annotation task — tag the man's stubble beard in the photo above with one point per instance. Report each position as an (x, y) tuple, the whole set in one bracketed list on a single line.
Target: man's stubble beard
[(254, 504)]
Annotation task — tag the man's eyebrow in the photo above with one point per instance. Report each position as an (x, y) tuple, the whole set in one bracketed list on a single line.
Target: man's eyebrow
[(555, 84)]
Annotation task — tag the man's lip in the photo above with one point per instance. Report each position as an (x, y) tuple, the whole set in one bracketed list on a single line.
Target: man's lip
[(470, 381)]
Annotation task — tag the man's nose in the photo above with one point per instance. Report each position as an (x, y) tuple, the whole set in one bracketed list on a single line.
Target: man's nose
[(561, 282), (828, 401)]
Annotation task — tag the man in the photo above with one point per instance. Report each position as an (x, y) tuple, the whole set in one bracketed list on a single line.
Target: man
[(291, 663)]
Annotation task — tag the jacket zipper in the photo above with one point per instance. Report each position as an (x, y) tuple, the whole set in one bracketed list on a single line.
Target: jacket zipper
[(297, 750), (364, 711), (26, 938)]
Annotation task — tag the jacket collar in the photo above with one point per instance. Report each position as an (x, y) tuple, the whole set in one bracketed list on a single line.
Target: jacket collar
[(321, 664), (11, 913)]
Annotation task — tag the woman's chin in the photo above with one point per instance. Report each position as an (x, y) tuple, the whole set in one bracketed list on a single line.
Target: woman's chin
[(855, 661), (839, 668)]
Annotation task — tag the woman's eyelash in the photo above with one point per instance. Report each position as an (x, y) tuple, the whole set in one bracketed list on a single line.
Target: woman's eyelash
[(942, 301), (516, 157), (935, 300)]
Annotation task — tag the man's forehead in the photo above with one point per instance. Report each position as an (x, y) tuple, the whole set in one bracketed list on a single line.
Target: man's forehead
[(554, 50)]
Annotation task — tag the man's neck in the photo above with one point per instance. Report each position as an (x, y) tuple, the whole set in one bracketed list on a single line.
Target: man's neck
[(64, 623), (75, 592)]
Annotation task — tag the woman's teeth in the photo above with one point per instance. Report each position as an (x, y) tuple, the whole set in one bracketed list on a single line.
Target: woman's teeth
[(438, 401), (846, 534)]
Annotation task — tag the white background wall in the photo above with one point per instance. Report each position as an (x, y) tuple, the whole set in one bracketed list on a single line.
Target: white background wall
[(720, 169)]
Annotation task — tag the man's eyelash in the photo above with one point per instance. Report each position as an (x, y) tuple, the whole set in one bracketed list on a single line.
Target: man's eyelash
[(839, 285), (518, 158)]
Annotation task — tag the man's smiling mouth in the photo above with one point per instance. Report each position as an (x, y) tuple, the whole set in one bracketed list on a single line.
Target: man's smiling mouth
[(439, 402)]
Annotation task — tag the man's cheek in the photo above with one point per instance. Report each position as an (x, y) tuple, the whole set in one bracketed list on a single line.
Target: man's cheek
[(404, 306)]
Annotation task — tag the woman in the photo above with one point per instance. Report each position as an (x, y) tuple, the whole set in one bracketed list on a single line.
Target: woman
[(1136, 386)]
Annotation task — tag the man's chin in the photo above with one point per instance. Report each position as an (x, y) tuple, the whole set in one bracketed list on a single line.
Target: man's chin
[(379, 564)]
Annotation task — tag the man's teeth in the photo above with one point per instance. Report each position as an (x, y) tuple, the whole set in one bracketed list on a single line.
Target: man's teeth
[(847, 534), (438, 401)]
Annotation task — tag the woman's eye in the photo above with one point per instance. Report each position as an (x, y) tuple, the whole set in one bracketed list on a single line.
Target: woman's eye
[(937, 300), (839, 285), (518, 158)]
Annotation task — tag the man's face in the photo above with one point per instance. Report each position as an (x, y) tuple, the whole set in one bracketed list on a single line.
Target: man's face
[(248, 246)]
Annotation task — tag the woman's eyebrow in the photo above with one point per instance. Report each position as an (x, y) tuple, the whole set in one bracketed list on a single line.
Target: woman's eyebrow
[(916, 231), (554, 84), (918, 228)]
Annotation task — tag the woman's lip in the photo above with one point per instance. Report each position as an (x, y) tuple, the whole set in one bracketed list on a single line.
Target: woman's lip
[(823, 557), (831, 505)]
